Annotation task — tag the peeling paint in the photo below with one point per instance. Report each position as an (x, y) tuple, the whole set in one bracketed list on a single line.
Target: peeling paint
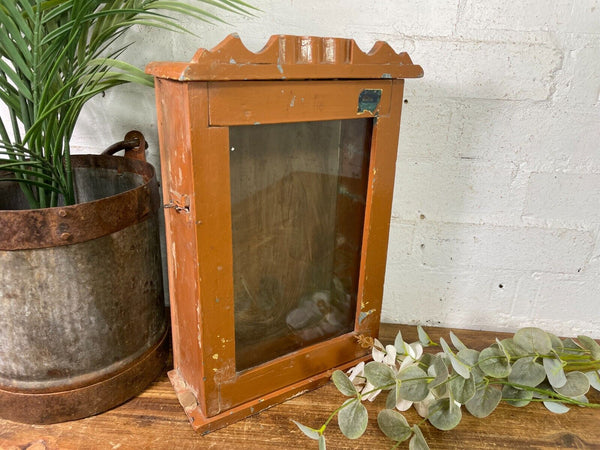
[(363, 315), (368, 100), (215, 356), (279, 68), (293, 101), (232, 61), (386, 75)]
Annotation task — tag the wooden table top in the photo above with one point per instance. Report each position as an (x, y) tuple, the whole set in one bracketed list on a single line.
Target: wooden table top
[(155, 420)]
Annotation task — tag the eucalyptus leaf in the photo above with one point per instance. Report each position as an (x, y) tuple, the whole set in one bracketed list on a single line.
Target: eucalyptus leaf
[(310, 432), (556, 408), (493, 362), (516, 397), (555, 372), (393, 425), (399, 343), (380, 375), (462, 389), (533, 340), (594, 379), (527, 372), (417, 442), (513, 349), (577, 384), (543, 386), (484, 401), (352, 419), (589, 344), (459, 367), (322, 445), (413, 384), (426, 360), (438, 370), (424, 337), (443, 414), (457, 342), (471, 357), (557, 344), (571, 347), (392, 398), (343, 383)]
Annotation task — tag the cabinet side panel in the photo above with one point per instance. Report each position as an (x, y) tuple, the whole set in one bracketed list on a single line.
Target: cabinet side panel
[(173, 111)]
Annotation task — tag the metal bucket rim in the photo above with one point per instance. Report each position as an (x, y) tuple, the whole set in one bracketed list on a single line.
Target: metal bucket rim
[(66, 225)]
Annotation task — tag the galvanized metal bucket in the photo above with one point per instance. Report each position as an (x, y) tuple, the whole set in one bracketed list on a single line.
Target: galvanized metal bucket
[(82, 322)]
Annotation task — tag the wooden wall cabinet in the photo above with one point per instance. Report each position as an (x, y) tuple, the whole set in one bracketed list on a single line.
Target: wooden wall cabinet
[(277, 175)]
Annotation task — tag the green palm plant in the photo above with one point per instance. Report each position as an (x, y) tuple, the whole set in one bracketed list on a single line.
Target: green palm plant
[(55, 55)]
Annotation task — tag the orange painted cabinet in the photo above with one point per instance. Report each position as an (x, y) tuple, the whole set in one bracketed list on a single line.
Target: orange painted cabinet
[(278, 173)]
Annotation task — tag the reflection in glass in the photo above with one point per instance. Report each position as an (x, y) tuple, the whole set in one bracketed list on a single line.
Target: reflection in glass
[(298, 195)]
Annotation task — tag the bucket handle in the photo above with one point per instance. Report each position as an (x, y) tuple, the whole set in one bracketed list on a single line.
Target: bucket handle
[(134, 144)]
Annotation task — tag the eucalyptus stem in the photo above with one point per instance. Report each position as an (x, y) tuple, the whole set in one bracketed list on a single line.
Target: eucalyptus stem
[(551, 394)]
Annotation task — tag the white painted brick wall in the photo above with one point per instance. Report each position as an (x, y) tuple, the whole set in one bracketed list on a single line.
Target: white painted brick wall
[(498, 175)]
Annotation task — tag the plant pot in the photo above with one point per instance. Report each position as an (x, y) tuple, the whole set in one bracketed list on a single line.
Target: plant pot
[(82, 318)]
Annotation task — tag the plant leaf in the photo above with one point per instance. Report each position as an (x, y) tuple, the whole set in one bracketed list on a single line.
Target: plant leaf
[(493, 362), (380, 375), (417, 442), (594, 378), (516, 397), (557, 344), (459, 367), (457, 342), (310, 432), (424, 337), (322, 445), (413, 385), (343, 383), (577, 384), (555, 372), (533, 340), (393, 425), (556, 408), (589, 344), (527, 372), (438, 370), (484, 401), (512, 349), (571, 347), (352, 419), (399, 343), (444, 414), (470, 357), (462, 389)]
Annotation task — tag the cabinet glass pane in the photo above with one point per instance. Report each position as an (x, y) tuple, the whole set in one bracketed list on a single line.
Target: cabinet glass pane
[(298, 195)]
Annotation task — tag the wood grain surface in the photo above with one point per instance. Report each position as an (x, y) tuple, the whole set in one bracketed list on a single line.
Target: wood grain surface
[(155, 420)]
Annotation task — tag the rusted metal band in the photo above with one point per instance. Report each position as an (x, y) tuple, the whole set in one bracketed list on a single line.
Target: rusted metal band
[(49, 227)]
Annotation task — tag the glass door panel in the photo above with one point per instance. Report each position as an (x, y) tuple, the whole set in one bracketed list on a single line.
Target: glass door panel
[(298, 195)]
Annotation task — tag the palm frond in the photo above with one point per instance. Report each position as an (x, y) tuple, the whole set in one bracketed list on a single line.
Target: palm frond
[(54, 57)]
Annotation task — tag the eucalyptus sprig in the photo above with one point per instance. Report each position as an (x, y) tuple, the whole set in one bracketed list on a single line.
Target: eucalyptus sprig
[(532, 366)]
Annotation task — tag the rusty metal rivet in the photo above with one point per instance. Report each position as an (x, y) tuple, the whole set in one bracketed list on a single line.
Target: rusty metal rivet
[(62, 213), (65, 236)]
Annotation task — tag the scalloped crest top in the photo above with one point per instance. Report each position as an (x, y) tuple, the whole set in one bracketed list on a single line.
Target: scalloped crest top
[(290, 57)]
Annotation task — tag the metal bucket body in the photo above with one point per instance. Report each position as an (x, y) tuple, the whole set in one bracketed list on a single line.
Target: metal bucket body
[(81, 296)]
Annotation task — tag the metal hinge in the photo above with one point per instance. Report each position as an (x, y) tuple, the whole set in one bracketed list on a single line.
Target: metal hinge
[(179, 205)]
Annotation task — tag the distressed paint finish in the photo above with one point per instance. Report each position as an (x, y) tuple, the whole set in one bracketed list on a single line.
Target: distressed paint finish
[(290, 58), (293, 79)]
